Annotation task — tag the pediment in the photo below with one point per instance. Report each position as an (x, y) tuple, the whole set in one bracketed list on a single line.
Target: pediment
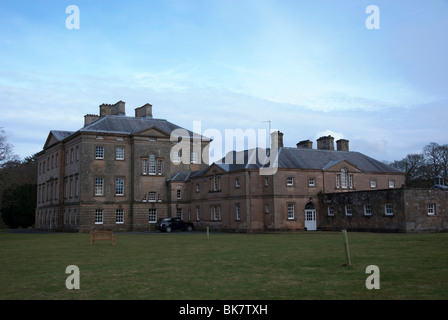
[(152, 132), (218, 168), (334, 166)]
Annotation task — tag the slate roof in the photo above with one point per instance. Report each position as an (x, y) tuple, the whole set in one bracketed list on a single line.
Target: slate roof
[(296, 158), (324, 159), (61, 135), (130, 125)]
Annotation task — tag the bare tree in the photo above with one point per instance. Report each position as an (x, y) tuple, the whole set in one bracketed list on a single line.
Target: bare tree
[(6, 153)]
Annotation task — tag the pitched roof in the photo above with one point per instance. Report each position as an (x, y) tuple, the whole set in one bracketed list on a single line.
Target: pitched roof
[(323, 159), (131, 125), (297, 158)]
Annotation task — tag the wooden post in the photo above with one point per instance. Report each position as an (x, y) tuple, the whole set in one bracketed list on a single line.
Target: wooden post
[(348, 263)]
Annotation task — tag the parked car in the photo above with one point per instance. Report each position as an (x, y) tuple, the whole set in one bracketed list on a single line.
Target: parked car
[(170, 224)]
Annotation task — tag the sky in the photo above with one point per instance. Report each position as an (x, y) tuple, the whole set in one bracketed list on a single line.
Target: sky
[(311, 68)]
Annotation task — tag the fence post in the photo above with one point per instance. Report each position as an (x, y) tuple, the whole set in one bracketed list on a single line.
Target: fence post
[(348, 263)]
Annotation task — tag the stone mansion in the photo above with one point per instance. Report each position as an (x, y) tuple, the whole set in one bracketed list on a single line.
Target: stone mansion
[(123, 173)]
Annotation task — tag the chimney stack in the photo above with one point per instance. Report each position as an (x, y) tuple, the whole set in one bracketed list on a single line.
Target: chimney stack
[(342, 145), (117, 109), (325, 143), (279, 136), (89, 118), (144, 111), (305, 144)]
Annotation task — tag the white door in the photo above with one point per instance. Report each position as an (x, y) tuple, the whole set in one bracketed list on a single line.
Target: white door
[(310, 219)]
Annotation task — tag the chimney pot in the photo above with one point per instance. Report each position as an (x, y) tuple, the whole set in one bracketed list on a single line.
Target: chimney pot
[(325, 143), (342, 145), (305, 144), (144, 111)]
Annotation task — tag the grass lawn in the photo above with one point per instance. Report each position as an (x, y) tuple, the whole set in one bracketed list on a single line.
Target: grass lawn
[(287, 266)]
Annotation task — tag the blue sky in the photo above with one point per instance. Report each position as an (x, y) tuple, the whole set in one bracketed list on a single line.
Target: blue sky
[(312, 68)]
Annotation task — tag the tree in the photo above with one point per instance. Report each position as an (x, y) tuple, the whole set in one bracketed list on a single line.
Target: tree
[(6, 153), (19, 202), (421, 169)]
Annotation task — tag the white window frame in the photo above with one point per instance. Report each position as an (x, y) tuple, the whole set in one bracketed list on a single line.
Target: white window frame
[(119, 186), (367, 210), (152, 164), (291, 211), (99, 152), (389, 209), (119, 216), (152, 215), (344, 178), (99, 186), (373, 183), (119, 153), (311, 182), (144, 166), (348, 210), (152, 196), (289, 181), (330, 211), (391, 183), (237, 212), (99, 216), (431, 209)]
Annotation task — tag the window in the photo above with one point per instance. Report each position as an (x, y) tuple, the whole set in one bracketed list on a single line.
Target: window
[(152, 164), (216, 182), (198, 214), (152, 216), (145, 197), (344, 178), (290, 181), (159, 197), (144, 166), (388, 209), (311, 182), (338, 181), (350, 181), (99, 186), (159, 167), (367, 210), (98, 216), (290, 211), (237, 182), (194, 157), (431, 209), (215, 213), (176, 156), (152, 197), (266, 182), (119, 216), (99, 152), (237, 212), (179, 213), (119, 186), (372, 183), (330, 211), (266, 208), (348, 210), (197, 187), (391, 183), (179, 194), (119, 153)]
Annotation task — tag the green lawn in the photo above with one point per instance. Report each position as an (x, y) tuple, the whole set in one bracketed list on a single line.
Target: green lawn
[(288, 266)]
